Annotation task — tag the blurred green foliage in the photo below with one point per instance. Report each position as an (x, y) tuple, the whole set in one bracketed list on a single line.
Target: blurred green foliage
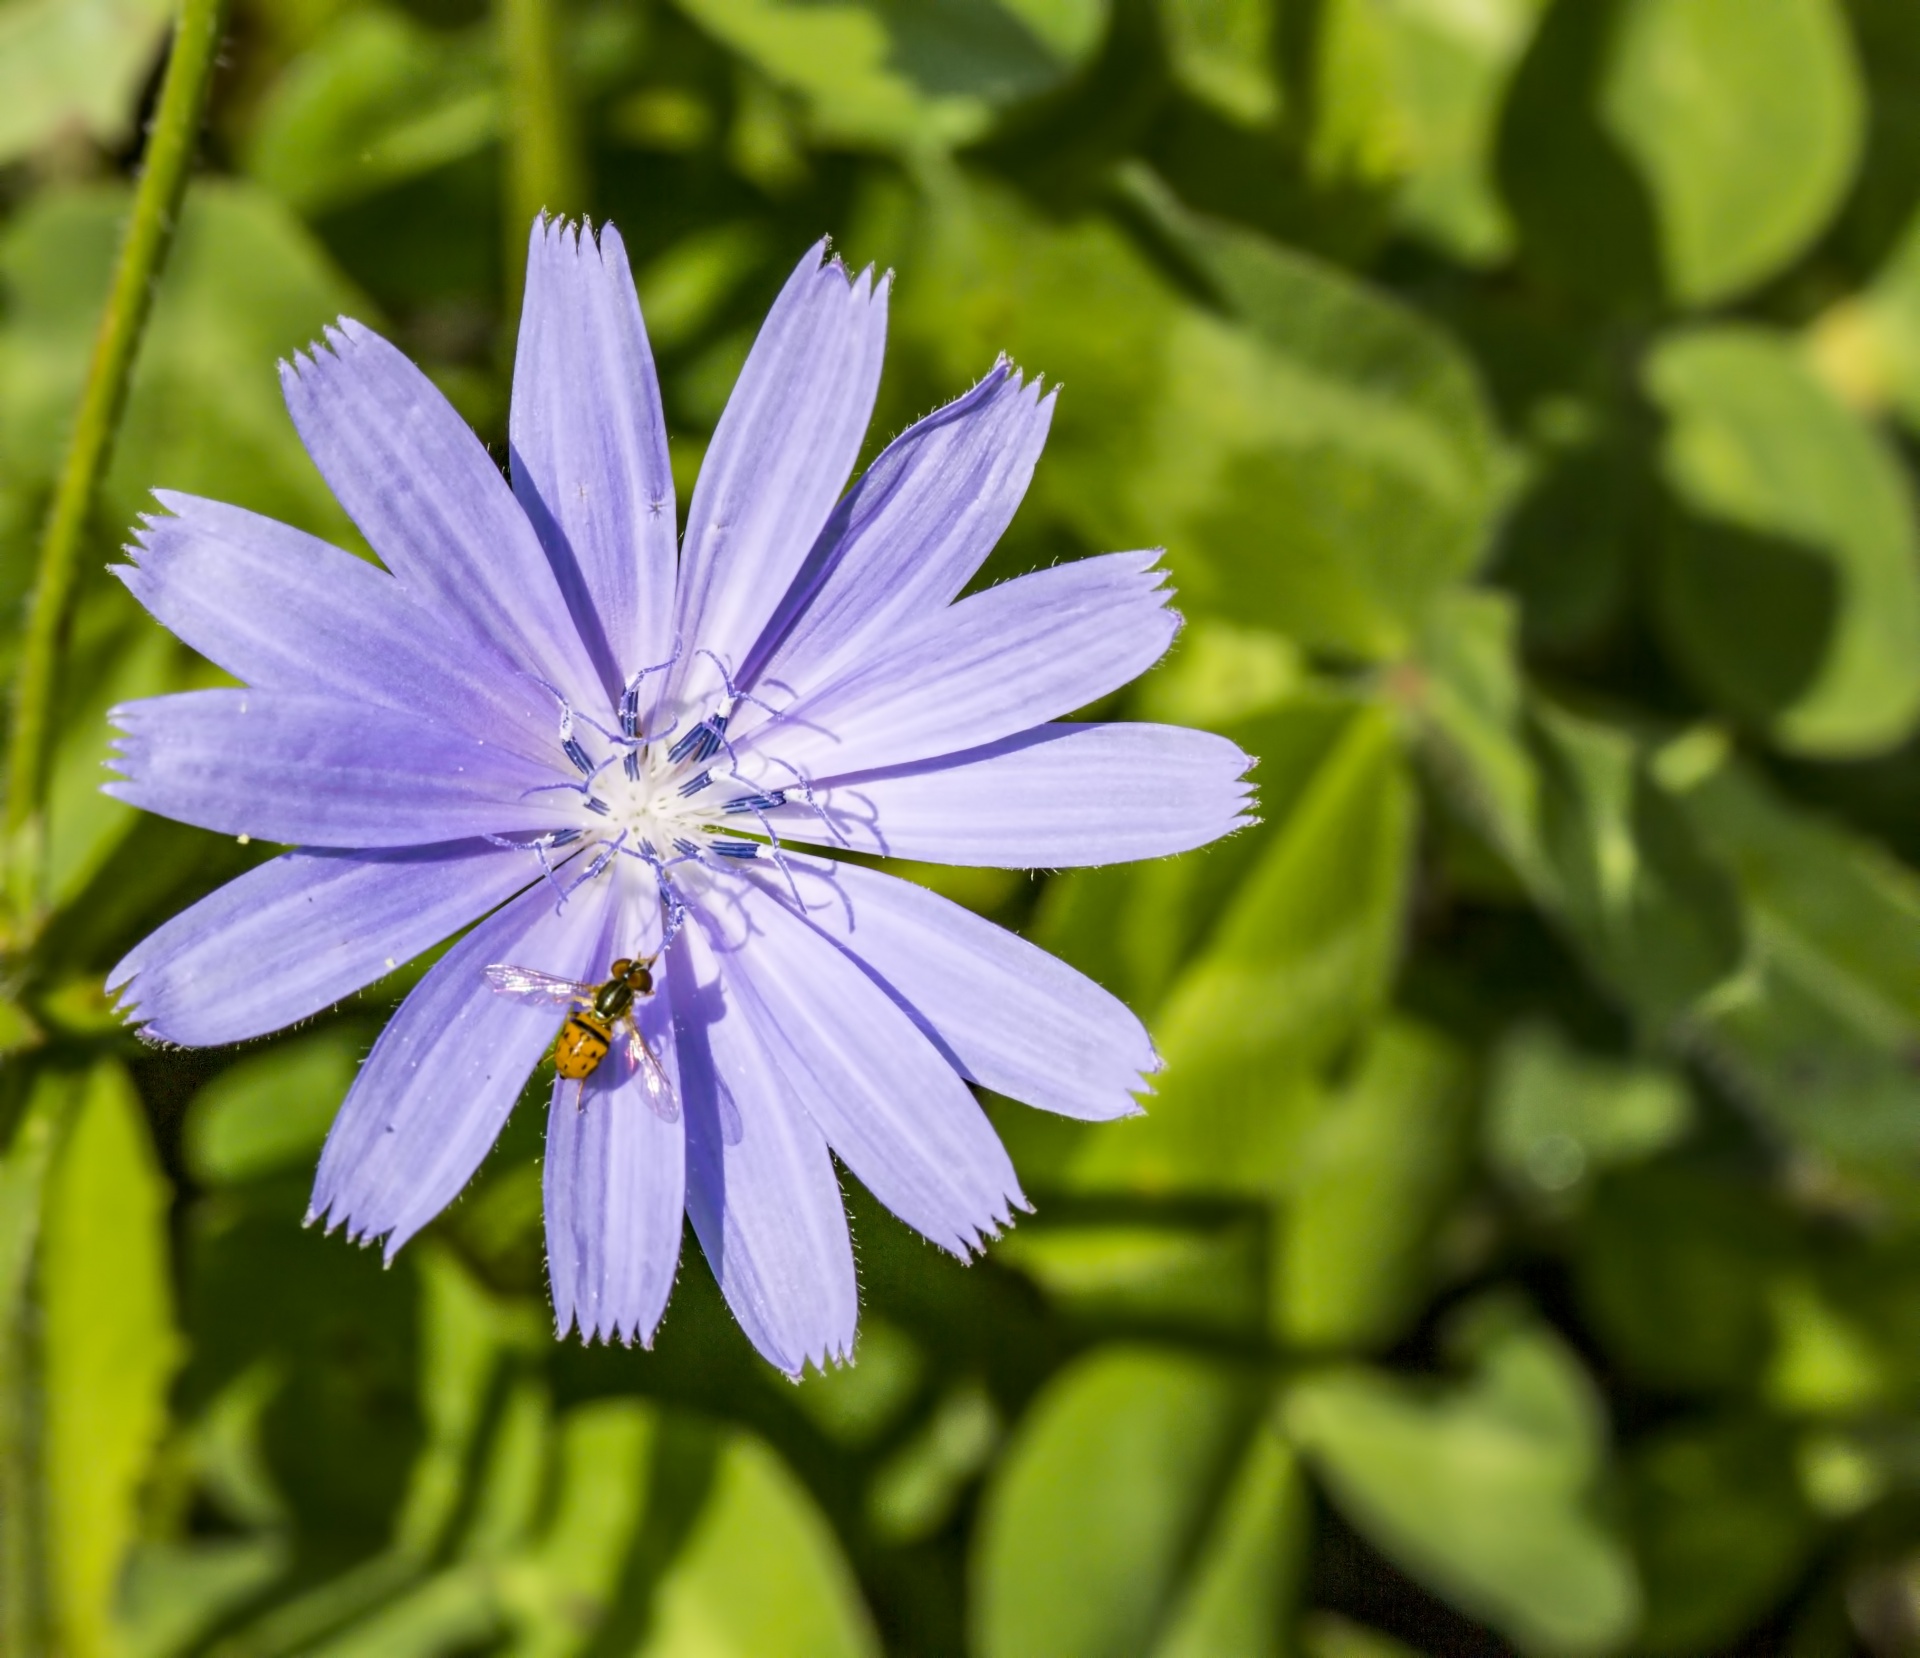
[(1523, 1249)]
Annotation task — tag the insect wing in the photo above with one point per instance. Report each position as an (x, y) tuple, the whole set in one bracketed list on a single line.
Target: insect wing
[(636, 1054), (526, 984)]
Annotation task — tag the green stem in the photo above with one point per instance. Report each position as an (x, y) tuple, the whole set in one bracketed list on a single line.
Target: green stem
[(544, 171), (156, 208)]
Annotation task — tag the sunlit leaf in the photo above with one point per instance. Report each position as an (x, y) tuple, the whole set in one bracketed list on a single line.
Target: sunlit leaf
[(1625, 870), (1745, 118), (1792, 591), (1820, 1035), (1150, 1271), (176, 1594), (1483, 1490), (1556, 1115), (244, 286), (915, 1491), (915, 78), (270, 1111), (1299, 959), (1573, 805), (1140, 1510), (117, 657), (377, 99), (110, 1349), (1409, 96), (1222, 52), (1366, 1189), (74, 68), (1319, 461), (758, 1571)]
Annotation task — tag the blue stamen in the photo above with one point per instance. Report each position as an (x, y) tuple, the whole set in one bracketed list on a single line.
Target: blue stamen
[(756, 802), (694, 785), (736, 849), (702, 742), (570, 746), (600, 806)]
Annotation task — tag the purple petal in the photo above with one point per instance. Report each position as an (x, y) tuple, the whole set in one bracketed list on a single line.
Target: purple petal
[(1053, 798), (433, 505), (297, 934), (761, 1189), (1010, 1016), (891, 1106), (432, 1096), (779, 459), (1000, 662), (616, 1185), (285, 611), (316, 771), (589, 446), (911, 533)]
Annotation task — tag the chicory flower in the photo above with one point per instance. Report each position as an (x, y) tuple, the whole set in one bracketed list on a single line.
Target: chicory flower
[(543, 718)]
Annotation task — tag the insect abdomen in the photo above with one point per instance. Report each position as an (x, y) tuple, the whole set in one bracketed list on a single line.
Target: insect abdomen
[(582, 1045)]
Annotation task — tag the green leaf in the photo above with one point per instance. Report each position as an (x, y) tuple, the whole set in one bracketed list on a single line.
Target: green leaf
[(1222, 52), (909, 77), (1720, 1527), (1745, 118), (1240, 1588), (915, 1491), (682, 290), (1297, 963), (1409, 96), (270, 1111), (1866, 347), (176, 1594), (854, 1404), (43, 1100), (1482, 1490), (376, 100), (1139, 1511), (116, 656), (1656, 917), (1157, 1272), (244, 285), (1672, 1265), (759, 1571), (74, 66), (1133, 926), (1328, 1635), (1319, 461), (109, 1350), (1574, 807), (1556, 1115), (1793, 591), (1472, 702), (1819, 1034), (1366, 1189), (23, 1172)]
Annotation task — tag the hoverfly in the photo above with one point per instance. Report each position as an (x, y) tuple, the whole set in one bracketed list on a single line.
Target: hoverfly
[(601, 1018)]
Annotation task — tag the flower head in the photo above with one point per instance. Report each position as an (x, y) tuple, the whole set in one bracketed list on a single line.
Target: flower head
[(632, 765)]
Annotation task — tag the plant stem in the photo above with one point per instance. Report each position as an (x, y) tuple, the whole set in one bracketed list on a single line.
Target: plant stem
[(156, 208), (543, 165)]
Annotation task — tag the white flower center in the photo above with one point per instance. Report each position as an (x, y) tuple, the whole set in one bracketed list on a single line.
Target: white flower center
[(681, 803)]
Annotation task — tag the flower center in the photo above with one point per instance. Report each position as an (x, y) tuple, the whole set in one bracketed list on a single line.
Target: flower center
[(683, 799)]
